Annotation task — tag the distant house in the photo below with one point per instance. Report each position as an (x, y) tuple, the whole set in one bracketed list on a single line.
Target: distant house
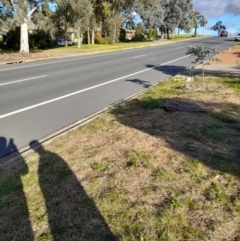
[(72, 35), (129, 34)]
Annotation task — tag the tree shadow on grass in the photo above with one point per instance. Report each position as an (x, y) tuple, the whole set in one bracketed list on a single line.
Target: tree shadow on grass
[(72, 214), (190, 128), (14, 214), (169, 69)]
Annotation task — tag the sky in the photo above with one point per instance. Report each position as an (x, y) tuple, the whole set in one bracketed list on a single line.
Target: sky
[(227, 11)]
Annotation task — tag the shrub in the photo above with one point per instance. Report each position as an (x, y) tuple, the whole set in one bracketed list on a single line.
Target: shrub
[(139, 38), (122, 35), (13, 38), (106, 40), (39, 39)]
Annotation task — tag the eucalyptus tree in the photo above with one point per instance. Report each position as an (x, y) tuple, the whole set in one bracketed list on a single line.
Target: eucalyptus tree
[(219, 27), (176, 14), (82, 12), (165, 14), (172, 15), (203, 55), (109, 15), (45, 19), (120, 12), (63, 18), (5, 17), (22, 12), (185, 23), (198, 21), (151, 12)]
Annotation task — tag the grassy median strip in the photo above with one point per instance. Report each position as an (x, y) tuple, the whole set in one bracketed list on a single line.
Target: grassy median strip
[(163, 166)]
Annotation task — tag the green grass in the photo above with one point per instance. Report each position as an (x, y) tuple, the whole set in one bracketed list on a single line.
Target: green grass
[(237, 46), (225, 118), (213, 132), (10, 185), (150, 103), (183, 36), (190, 134), (135, 158), (96, 166), (230, 82)]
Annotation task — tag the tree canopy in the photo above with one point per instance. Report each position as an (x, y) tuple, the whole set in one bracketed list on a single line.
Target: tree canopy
[(101, 17), (219, 27)]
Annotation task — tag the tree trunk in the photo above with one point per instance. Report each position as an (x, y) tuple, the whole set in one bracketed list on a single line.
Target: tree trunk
[(162, 32), (65, 39), (88, 35), (24, 46), (115, 33), (93, 37), (203, 70), (79, 37), (195, 32), (167, 33)]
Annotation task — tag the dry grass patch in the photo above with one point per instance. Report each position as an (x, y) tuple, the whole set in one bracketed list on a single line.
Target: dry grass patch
[(165, 166)]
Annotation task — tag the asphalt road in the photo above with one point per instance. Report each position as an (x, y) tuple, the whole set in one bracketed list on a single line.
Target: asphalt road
[(42, 97)]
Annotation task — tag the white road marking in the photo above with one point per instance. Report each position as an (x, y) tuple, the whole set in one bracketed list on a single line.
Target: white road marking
[(17, 81), (83, 90), (218, 45), (152, 59), (181, 47), (139, 56)]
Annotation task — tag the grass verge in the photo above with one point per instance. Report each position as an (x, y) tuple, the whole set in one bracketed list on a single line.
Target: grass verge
[(142, 171)]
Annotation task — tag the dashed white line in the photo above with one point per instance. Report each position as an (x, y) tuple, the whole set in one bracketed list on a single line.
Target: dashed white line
[(17, 81), (181, 47), (83, 90), (218, 45), (140, 56)]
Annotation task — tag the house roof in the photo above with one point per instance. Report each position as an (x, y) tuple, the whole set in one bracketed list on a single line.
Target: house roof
[(129, 30)]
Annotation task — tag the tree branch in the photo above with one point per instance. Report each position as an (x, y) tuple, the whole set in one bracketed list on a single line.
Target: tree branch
[(34, 9), (13, 3)]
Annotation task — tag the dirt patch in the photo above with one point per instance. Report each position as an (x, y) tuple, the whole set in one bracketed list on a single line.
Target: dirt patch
[(228, 57)]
